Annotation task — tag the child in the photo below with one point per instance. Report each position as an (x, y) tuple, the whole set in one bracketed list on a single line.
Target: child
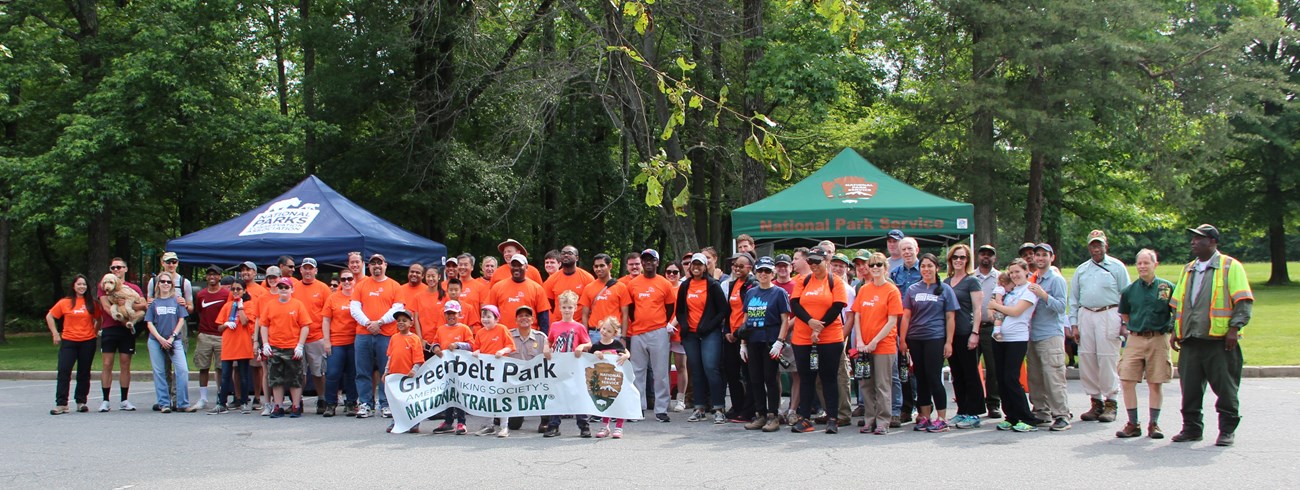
[(568, 335), (405, 353), (236, 351), (454, 335), (529, 343), (1000, 291), (283, 324), (609, 343), (493, 338)]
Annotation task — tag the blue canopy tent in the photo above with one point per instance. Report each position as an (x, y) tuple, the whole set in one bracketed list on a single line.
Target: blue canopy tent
[(311, 220)]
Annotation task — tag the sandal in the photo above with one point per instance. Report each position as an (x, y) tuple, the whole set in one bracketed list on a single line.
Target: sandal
[(59, 410)]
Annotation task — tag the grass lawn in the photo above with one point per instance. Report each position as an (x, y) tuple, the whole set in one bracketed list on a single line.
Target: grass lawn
[(35, 352)]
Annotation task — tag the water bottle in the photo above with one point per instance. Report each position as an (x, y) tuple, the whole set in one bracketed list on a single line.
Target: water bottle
[(785, 363), (902, 368), (862, 366), (812, 361)]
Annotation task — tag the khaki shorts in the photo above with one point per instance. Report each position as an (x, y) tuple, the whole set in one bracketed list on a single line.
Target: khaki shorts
[(314, 358), (207, 352), (1147, 356), (283, 369)]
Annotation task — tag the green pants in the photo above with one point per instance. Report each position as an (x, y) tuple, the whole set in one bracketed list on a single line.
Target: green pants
[(1202, 362)]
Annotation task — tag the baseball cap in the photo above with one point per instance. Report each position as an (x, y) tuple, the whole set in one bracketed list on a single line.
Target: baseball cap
[(1046, 247), (273, 271), (1097, 235), (896, 234), (170, 256), (402, 313), (701, 258), (452, 305), (308, 261), (214, 268), (988, 247), (491, 309), (650, 252), (783, 259), (520, 258), (501, 247), (284, 281), (862, 254), (1206, 230), (1025, 246), (765, 263), (249, 265), (379, 257), (450, 260), (842, 258), (817, 252), (523, 308)]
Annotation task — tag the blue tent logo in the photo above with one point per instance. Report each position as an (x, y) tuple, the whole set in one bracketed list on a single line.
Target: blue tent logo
[(290, 216)]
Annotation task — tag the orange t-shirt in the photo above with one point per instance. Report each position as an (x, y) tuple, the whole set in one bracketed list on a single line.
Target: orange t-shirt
[(816, 299), (450, 334), (377, 297), (737, 303), (284, 321), (237, 344), (697, 295), (472, 293), (508, 296), (874, 305), (409, 290), (491, 340), (559, 283), (78, 325), (428, 308), (653, 299), (503, 274), (256, 290), (604, 302), (343, 328), (405, 351), (313, 296)]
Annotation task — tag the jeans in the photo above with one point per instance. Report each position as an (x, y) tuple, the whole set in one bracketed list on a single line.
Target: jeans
[(227, 380), (82, 354), (704, 356), (372, 355), (828, 362), (554, 422), (180, 368), (342, 367)]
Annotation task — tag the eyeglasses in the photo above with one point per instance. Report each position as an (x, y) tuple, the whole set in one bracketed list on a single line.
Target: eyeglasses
[(876, 265), (117, 267), (959, 257), (346, 279)]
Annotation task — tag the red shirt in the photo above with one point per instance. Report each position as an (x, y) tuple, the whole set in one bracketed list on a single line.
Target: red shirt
[(209, 306)]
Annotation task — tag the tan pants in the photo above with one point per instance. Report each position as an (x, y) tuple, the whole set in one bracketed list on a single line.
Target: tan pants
[(1046, 372)]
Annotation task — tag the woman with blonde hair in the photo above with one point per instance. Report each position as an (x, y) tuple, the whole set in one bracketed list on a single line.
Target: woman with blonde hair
[(165, 319)]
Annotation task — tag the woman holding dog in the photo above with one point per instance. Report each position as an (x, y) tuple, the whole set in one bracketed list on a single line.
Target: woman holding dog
[(76, 342), (165, 319)]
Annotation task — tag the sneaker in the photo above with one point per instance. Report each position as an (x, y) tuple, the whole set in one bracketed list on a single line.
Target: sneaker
[(1004, 425), (266, 409), (157, 408), (820, 417), (719, 418), (1037, 422), (504, 432), (363, 411), (125, 406), (350, 410), (602, 433), (757, 423), (922, 423), (257, 403), (791, 418), (414, 430), (618, 433), (860, 411), (1226, 439), (552, 432), (895, 422), (585, 433), (1023, 427), (82, 408), (444, 428), (103, 406), (1060, 424), (320, 406), (937, 426), (994, 413), (1185, 436), (677, 406), (246, 409), (542, 426), (803, 425), (189, 409), (203, 403), (1130, 430), (461, 430), (385, 413), (969, 422), (662, 417), (329, 411), (277, 412), (773, 423), (165, 409), (295, 412), (488, 430), (219, 409), (696, 416), (832, 427)]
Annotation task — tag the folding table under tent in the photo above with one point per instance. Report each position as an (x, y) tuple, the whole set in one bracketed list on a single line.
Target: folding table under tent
[(310, 220)]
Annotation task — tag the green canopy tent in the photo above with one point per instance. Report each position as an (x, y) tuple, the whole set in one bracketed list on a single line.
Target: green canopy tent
[(851, 202)]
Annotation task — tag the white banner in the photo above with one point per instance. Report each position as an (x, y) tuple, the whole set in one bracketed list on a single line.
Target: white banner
[(489, 387)]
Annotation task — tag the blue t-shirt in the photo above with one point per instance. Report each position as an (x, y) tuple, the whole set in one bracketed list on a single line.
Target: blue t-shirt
[(929, 319), (763, 309), (164, 313)]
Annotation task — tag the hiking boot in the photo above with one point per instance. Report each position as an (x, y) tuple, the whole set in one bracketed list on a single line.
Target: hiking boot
[(552, 432), (860, 411), (757, 424), (1154, 432), (1130, 430), (1109, 407), (773, 423), (994, 413), (330, 410), (1092, 413), (350, 410), (320, 407), (1225, 439), (895, 422), (584, 432), (1186, 436)]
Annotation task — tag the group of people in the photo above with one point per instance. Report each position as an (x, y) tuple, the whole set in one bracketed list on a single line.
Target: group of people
[(880, 324)]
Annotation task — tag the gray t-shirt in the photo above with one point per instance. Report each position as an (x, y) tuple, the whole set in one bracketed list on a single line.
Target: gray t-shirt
[(165, 313)]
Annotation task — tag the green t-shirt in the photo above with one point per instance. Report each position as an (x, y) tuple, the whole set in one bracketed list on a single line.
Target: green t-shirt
[(1147, 305)]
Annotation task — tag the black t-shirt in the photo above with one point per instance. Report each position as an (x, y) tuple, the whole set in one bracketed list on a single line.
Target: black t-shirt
[(616, 347), (965, 311)]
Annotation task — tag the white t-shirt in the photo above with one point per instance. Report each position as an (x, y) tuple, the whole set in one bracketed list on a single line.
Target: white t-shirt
[(1016, 328)]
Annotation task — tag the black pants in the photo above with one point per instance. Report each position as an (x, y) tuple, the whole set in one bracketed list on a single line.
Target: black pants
[(828, 362), (1009, 357), (453, 415), (81, 354), (733, 370), (992, 395), (228, 369), (1202, 362), (927, 363), (764, 378), (966, 383)]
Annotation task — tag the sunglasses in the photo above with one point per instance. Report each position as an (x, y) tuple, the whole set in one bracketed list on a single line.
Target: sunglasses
[(236, 290), (766, 271), (959, 257), (814, 260), (346, 279), (172, 261), (672, 271), (282, 287), (164, 282), (117, 267), (876, 265)]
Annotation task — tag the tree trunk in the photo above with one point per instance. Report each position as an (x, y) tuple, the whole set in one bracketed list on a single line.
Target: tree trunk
[(983, 153), (753, 181), (1034, 199), (1276, 216), (1053, 201), (308, 87), (4, 274)]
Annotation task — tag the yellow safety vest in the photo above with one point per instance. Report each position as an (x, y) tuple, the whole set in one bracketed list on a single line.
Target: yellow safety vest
[(1229, 287)]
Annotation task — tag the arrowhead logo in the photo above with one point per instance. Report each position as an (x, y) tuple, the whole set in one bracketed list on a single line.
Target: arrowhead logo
[(849, 189), (603, 384)]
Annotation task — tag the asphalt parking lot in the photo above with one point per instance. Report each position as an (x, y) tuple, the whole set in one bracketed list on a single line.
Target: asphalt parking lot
[(145, 449)]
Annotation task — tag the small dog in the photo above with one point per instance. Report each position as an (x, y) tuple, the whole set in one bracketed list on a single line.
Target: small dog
[(121, 299)]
